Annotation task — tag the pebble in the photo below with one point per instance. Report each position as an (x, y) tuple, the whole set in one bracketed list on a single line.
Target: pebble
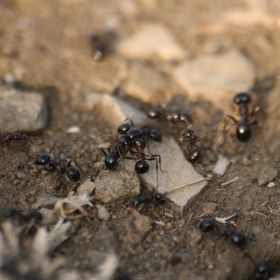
[(103, 213), (73, 129), (145, 83), (221, 165), (178, 174), (212, 76), (21, 111), (21, 175), (137, 227), (117, 108), (151, 41), (266, 175), (112, 186)]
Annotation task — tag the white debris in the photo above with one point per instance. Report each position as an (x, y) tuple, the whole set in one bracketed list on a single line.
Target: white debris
[(86, 188), (73, 129), (103, 213), (221, 166), (271, 185), (224, 220), (230, 181)]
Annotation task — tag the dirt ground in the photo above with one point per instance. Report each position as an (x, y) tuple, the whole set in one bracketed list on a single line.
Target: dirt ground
[(47, 41)]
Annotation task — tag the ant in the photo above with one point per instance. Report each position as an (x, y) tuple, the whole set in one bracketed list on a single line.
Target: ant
[(162, 115), (155, 196), (98, 47), (247, 118), (114, 156), (263, 271), (72, 172), (237, 237), (16, 136), (24, 217), (189, 136)]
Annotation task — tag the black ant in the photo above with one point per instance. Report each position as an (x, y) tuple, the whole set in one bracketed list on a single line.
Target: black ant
[(162, 115), (247, 118), (155, 196), (189, 136), (98, 47), (113, 158), (23, 217), (72, 172), (263, 271), (237, 237), (16, 136)]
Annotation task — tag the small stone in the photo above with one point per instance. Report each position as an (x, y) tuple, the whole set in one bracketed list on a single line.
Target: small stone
[(208, 207), (145, 83), (112, 186), (86, 187), (137, 227), (246, 161), (266, 175), (25, 109), (46, 200), (117, 108), (211, 76), (73, 129), (21, 175), (271, 185), (103, 213), (221, 165), (151, 41)]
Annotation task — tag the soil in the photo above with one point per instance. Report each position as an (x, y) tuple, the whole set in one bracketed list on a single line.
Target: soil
[(48, 41)]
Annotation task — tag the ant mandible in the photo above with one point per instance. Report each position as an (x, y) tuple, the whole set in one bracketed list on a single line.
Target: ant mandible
[(72, 172), (247, 118)]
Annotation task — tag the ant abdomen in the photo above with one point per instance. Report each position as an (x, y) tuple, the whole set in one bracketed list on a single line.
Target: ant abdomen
[(243, 131), (141, 167)]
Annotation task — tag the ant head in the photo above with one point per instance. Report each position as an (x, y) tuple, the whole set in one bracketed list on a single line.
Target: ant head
[(42, 159), (141, 167), (186, 118), (194, 155), (239, 239), (137, 200), (17, 136), (123, 128), (73, 173), (10, 211), (243, 132), (187, 133), (35, 214), (111, 161), (155, 135), (154, 113), (159, 197), (242, 98), (133, 134), (208, 224)]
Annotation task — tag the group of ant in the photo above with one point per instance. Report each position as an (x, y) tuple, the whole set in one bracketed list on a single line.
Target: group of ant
[(132, 142), (262, 271)]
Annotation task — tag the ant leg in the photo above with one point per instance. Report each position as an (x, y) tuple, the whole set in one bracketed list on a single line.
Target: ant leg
[(159, 160), (227, 120), (261, 133)]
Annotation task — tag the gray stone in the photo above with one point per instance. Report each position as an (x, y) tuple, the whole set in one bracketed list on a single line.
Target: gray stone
[(21, 175), (212, 76), (266, 175), (21, 111), (145, 83), (137, 227), (46, 200), (117, 108), (112, 186), (151, 41), (103, 213), (181, 183)]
